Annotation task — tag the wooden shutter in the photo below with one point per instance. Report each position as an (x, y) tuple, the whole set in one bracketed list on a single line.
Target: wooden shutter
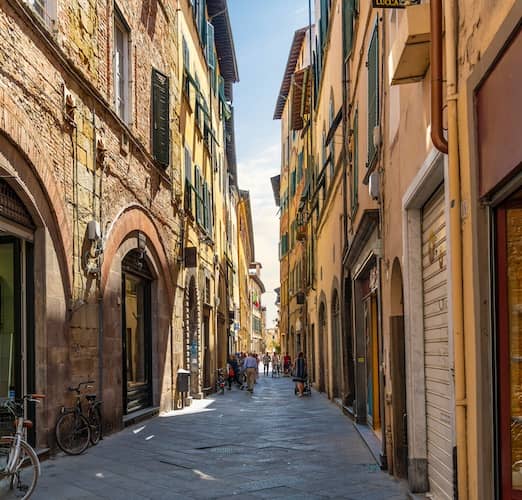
[(160, 118), (203, 22), (196, 189), (188, 180), (355, 163), (300, 167), (211, 60), (348, 14), (373, 93)]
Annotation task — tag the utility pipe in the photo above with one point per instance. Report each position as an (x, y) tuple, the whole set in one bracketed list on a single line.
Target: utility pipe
[(451, 147), (437, 134), (451, 20)]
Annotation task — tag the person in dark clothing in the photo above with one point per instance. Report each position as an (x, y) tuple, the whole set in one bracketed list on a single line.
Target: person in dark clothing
[(233, 371), (300, 373)]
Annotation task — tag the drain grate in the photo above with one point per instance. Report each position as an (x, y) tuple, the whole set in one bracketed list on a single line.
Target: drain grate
[(221, 449)]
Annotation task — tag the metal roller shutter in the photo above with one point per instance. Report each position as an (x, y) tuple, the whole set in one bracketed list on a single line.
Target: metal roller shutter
[(439, 391)]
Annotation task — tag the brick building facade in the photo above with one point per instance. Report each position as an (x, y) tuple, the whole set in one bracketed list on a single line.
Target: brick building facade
[(90, 183)]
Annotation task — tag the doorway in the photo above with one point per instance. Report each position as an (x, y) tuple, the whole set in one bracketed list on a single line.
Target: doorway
[(509, 341), (398, 372), (136, 333), (17, 352), (322, 345), (372, 361)]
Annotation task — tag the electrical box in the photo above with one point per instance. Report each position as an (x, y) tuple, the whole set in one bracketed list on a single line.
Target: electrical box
[(93, 230)]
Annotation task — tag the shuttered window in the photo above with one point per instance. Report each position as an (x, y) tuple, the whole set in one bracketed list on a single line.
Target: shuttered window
[(211, 60), (348, 15), (188, 181), (292, 183), (300, 167), (197, 192), (355, 164), (373, 93), (160, 118), (202, 22)]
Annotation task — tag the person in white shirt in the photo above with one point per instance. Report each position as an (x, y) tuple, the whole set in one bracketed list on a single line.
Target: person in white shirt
[(250, 366)]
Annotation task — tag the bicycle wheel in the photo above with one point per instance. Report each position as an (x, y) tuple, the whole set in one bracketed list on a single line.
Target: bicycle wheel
[(96, 424), (22, 482), (73, 433)]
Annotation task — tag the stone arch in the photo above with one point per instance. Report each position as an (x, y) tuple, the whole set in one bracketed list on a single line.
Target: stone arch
[(27, 171), (132, 220)]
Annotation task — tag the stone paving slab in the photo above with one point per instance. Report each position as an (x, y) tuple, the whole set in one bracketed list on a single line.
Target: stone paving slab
[(269, 444)]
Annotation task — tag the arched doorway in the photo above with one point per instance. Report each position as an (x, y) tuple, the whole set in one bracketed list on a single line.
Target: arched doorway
[(17, 340), (348, 343), (398, 374), (136, 332), (336, 348), (193, 337), (322, 347)]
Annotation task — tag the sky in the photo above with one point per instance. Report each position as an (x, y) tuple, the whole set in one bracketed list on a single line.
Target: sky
[(263, 31)]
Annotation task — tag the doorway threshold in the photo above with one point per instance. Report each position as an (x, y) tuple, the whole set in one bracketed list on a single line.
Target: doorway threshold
[(139, 415)]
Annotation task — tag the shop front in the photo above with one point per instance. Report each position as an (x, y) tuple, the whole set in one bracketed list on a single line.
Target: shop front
[(497, 99)]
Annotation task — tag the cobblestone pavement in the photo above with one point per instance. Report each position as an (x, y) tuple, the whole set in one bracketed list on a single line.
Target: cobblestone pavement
[(267, 445)]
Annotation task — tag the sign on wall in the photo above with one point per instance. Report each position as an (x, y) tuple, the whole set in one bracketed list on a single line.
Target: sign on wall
[(393, 4)]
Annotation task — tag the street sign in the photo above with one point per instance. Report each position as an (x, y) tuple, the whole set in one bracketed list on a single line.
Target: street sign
[(393, 4)]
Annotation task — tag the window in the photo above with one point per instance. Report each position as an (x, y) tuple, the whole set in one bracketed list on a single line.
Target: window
[(373, 94), (160, 118), (211, 60), (348, 16), (300, 158), (355, 163), (188, 180), (332, 147), (292, 183), (121, 60), (45, 9)]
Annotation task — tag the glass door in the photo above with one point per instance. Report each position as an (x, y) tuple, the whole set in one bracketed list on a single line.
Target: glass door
[(136, 336), (10, 318)]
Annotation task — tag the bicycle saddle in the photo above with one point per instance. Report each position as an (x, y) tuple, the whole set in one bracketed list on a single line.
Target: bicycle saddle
[(90, 397)]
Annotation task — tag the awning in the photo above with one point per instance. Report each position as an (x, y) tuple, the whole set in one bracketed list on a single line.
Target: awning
[(301, 96)]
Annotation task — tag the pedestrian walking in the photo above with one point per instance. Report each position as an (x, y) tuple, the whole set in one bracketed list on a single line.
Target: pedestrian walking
[(287, 364), (276, 365), (250, 366), (266, 363), (233, 371), (299, 372)]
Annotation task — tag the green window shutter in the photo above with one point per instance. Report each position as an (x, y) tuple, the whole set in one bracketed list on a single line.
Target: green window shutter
[(355, 169), (292, 183), (160, 118), (196, 189), (300, 167), (188, 180), (348, 15), (211, 60), (203, 22), (373, 93)]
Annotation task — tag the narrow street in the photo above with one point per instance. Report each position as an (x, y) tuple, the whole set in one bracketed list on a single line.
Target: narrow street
[(267, 445)]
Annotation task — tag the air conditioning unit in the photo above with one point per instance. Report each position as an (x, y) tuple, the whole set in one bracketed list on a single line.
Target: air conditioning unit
[(373, 186)]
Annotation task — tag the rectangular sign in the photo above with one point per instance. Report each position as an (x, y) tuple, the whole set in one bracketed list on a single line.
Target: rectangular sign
[(393, 4)]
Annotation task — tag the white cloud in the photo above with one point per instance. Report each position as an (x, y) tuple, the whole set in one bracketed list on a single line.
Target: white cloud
[(254, 175)]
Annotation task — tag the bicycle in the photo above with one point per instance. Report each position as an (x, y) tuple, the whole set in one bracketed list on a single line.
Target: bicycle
[(220, 381), (74, 429), (19, 464)]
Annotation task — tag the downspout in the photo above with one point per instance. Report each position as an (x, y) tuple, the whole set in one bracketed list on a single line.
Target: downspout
[(451, 22), (451, 147)]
